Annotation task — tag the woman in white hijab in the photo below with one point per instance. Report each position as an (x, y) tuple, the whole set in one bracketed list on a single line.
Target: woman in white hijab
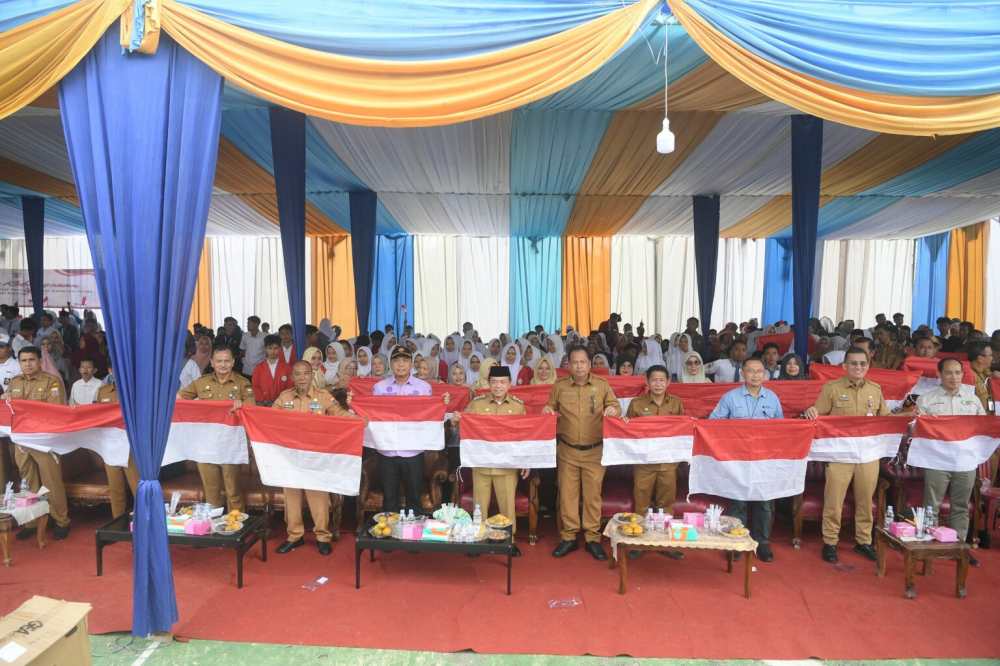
[(512, 359), (477, 344), (388, 343), (680, 345), (364, 356), (556, 350), (326, 328), (452, 349), (529, 356), (332, 365), (649, 355), (495, 348), (694, 369), (314, 357), (427, 349)]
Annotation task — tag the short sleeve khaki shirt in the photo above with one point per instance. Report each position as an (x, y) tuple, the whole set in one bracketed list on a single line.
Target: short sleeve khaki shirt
[(840, 397), (581, 409), (210, 388), (292, 400), (43, 387), (644, 405)]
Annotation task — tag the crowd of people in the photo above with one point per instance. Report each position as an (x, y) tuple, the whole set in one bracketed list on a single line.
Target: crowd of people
[(254, 366)]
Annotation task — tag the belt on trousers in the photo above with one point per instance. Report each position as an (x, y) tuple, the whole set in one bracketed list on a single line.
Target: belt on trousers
[(581, 448)]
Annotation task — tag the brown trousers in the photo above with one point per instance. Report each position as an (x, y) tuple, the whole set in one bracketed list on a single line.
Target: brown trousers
[(120, 481), (580, 473), (485, 481), (213, 477), (664, 477), (319, 507), (43, 469), (839, 477)]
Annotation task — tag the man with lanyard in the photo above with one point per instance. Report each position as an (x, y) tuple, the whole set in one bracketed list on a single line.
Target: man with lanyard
[(728, 369), (222, 385), (582, 400), (498, 402), (308, 399), (405, 465), (39, 467), (951, 400), (752, 401), (118, 477), (980, 361), (661, 476), (852, 395)]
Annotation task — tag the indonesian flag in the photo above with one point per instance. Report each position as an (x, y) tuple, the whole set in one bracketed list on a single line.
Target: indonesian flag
[(307, 451), (896, 384), (603, 372), (928, 370), (627, 388), (750, 459), (857, 439), (60, 429), (534, 396), (6, 418), (953, 443), (647, 440), (509, 442), (402, 422), (206, 431), (784, 342), (458, 400)]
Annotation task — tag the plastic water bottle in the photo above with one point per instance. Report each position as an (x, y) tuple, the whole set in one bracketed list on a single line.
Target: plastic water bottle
[(24, 486), (889, 517), (650, 520), (930, 520), (661, 521), (410, 518), (477, 519)]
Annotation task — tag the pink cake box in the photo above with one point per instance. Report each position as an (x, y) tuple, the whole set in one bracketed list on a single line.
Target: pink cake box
[(413, 531), (198, 527), (944, 534), (26, 500), (902, 529), (695, 519)]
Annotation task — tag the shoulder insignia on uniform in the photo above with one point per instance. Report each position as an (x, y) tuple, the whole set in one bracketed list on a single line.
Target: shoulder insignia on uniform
[(516, 399), (875, 384), (482, 397)]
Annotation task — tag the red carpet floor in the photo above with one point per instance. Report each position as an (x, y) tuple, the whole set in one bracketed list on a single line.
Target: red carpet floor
[(801, 606)]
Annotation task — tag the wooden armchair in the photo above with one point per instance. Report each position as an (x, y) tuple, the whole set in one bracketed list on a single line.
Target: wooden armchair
[(809, 505), (370, 496), (906, 489)]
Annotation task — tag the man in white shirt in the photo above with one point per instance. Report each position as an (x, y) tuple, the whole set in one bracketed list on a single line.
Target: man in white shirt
[(771, 358), (287, 344), (25, 336), (252, 346), (45, 326), (84, 391), (728, 369)]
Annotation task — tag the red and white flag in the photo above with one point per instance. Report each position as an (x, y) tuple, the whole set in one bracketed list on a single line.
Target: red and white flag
[(953, 443), (534, 396), (752, 460), (307, 451), (6, 419), (508, 442), (647, 440), (402, 422), (628, 388), (927, 368), (895, 384), (60, 429), (458, 400), (858, 439), (206, 431)]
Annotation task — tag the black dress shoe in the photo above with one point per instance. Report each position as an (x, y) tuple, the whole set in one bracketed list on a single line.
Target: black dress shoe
[(289, 546), (60, 533), (564, 548), (973, 562), (764, 553), (672, 554), (514, 550), (26, 533), (636, 554), (829, 553), (736, 556), (866, 550), (595, 549), (324, 547)]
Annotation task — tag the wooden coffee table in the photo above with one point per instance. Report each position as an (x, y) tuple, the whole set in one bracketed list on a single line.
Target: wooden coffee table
[(922, 551), (7, 525)]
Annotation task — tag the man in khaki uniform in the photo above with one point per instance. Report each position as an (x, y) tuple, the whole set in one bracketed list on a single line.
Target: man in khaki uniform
[(222, 385), (662, 476), (306, 398), (981, 361), (582, 400), (118, 477), (487, 479), (40, 468), (852, 395)]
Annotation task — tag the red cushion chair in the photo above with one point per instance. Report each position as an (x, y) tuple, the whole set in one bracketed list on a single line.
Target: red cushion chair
[(525, 498), (907, 490), (809, 505)]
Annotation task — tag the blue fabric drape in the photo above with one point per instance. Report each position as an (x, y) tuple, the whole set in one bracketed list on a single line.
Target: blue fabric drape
[(930, 279), (288, 146), (535, 284), (901, 47), (363, 208), (706, 254), (393, 282), (777, 281), (143, 133), (33, 212), (807, 169)]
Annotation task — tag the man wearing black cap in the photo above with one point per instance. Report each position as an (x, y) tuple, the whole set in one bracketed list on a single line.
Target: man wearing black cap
[(487, 479)]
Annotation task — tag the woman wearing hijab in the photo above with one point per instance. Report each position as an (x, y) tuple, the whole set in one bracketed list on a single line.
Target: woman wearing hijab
[(625, 365), (348, 369), (326, 333), (601, 361), (556, 350), (49, 366), (314, 357), (822, 347), (649, 356), (495, 348), (332, 366), (202, 352), (512, 359), (57, 361), (675, 357), (380, 366), (89, 348), (430, 349), (694, 369), (483, 384), (452, 349), (791, 367), (457, 375), (465, 358), (529, 356), (838, 350), (476, 360), (364, 356), (545, 372)]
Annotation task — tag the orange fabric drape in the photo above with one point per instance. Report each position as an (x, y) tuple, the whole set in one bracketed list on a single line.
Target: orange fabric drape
[(586, 282), (332, 267), (967, 274), (201, 306)]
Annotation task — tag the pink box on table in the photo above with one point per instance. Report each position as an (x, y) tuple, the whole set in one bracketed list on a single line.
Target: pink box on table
[(25, 500), (944, 534), (413, 531), (902, 529), (695, 519), (198, 527)]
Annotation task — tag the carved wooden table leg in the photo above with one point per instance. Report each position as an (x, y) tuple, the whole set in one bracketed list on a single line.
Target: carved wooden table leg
[(6, 529), (729, 562), (622, 569), (961, 573), (43, 523), (910, 566), (927, 566), (747, 568), (879, 555)]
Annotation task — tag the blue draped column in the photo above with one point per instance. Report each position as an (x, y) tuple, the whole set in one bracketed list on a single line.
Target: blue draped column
[(807, 170), (392, 282), (930, 279), (143, 134), (364, 206), (33, 214), (288, 147), (535, 284), (777, 281), (706, 255)]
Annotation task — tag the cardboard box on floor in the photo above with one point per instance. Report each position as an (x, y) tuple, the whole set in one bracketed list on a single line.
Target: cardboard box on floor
[(45, 632)]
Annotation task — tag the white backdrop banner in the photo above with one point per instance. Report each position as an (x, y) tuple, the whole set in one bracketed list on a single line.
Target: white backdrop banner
[(75, 286)]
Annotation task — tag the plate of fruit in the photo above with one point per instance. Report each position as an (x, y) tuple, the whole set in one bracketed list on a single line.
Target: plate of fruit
[(227, 527), (387, 517), (734, 531), (382, 529), (499, 521), (626, 517), (631, 529)]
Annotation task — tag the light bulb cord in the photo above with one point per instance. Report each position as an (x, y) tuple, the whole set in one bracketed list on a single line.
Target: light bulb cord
[(666, 75)]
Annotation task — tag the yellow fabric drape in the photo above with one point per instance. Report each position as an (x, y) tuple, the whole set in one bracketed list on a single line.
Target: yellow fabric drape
[(708, 88), (896, 114), (364, 91), (36, 55), (626, 168), (332, 277), (201, 306), (586, 282), (880, 160), (967, 274)]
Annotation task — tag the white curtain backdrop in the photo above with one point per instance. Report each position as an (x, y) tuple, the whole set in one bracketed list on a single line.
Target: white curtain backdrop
[(676, 284), (992, 318), (248, 278), (739, 282), (633, 283), (861, 278)]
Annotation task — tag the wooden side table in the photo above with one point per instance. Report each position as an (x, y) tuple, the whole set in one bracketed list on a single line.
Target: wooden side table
[(7, 525), (922, 551)]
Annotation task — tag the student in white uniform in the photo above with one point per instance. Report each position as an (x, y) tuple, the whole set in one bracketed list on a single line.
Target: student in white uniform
[(727, 370), (84, 391)]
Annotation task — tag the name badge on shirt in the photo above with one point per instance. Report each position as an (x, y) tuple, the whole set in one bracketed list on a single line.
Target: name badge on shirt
[(843, 398), (289, 405)]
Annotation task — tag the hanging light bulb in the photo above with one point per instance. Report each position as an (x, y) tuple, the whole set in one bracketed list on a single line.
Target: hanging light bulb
[(665, 139)]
